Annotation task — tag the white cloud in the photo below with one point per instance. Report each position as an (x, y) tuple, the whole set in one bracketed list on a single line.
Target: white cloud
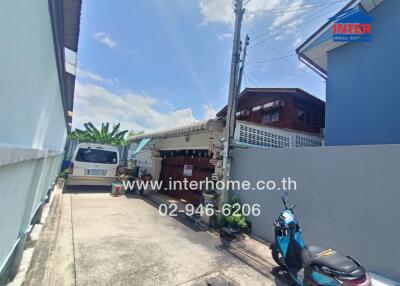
[(286, 17), (95, 77), (225, 36), (90, 75), (301, 66), (217, 11), (292, 26), (105, 39), (222, 10), (297, 42), (134, 111), (209, 111)]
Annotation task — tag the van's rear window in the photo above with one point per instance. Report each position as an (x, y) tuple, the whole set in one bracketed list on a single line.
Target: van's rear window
[(96, 156)]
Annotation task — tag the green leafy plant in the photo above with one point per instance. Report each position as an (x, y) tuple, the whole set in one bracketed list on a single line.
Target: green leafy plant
[(235, 217), (63, 174), (93, 135)]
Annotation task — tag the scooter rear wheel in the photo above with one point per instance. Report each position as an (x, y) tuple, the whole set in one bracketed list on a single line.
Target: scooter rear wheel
[(276, 255)]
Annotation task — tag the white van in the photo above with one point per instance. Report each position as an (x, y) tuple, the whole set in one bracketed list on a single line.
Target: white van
[(93, 164)]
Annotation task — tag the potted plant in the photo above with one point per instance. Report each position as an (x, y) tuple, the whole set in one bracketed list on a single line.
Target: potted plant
[(117, 187), (62, 176), (234, 223)]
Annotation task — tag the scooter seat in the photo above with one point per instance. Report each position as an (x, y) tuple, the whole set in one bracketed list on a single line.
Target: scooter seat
[(330, 258)]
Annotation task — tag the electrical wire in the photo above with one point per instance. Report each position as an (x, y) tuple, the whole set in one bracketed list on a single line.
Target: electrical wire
[(324, 10), (319, 13), (271, 60), (304, 21), (291, 10), (294, 8), (249, 79)]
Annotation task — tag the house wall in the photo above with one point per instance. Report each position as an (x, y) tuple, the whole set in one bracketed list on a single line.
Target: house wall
[(200, 140), (287, 113), (347, 198), (312, 112), (31, 120), (362, 87)]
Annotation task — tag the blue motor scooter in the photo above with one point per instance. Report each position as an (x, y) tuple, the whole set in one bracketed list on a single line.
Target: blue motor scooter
[(312, 265)]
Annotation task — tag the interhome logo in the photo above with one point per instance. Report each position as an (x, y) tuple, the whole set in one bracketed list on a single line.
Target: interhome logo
[(352, 25)]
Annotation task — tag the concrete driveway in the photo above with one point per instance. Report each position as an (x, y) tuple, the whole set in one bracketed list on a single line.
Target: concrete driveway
[(91, 238)]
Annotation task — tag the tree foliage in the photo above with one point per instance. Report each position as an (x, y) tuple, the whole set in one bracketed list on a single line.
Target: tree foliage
[(93, 135)]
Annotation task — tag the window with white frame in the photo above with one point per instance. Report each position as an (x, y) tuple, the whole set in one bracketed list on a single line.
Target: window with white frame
[(270, 116)]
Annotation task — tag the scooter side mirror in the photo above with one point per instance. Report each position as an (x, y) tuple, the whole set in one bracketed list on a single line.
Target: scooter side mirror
[(285, 198)]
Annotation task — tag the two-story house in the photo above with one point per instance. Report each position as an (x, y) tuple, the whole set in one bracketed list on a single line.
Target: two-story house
[(285, 108), (267, 118)]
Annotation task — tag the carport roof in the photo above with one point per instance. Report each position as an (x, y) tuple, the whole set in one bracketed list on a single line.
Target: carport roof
[(210, 124)]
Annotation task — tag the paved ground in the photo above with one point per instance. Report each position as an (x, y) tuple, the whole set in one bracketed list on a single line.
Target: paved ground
[(91, 238)]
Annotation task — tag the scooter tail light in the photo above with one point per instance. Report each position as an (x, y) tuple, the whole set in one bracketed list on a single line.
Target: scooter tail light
[(71, 168), (362, 281)]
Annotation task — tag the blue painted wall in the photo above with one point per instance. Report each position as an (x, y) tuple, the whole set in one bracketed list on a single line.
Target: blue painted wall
[(363, 86)]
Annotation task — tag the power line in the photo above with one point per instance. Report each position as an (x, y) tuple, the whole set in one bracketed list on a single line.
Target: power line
[(271, 60), (280, 27), (247, 2), (295, 8), (249, 79), (311, 17), (319, 9)]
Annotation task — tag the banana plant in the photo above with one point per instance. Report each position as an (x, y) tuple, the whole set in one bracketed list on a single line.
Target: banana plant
[(93, 135)]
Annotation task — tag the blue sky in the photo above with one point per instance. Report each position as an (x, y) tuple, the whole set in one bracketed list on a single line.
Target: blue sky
[(153, 64)]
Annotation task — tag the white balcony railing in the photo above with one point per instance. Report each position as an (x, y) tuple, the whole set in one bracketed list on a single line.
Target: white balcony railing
[(247, 133)]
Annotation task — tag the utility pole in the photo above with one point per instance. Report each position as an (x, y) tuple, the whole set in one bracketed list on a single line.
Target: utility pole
[(231, 109), (239, 83)]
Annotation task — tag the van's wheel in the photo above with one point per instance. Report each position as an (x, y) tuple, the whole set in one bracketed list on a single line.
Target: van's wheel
[(276, 255)]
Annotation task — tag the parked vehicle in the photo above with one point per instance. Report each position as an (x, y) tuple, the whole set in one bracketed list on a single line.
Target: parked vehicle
[(93, 164), (312, 265)]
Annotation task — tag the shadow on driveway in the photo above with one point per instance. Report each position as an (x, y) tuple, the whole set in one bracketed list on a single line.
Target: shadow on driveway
[(86, 189)]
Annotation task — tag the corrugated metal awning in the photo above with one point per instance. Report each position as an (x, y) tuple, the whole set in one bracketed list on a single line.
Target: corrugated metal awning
[(140, 146), (269, 105), (211, 124)]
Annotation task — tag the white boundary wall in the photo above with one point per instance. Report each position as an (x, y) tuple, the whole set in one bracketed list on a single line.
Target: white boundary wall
[(32, 123)]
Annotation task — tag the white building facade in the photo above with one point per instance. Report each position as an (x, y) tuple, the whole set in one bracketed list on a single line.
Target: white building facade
[(36, 95)]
